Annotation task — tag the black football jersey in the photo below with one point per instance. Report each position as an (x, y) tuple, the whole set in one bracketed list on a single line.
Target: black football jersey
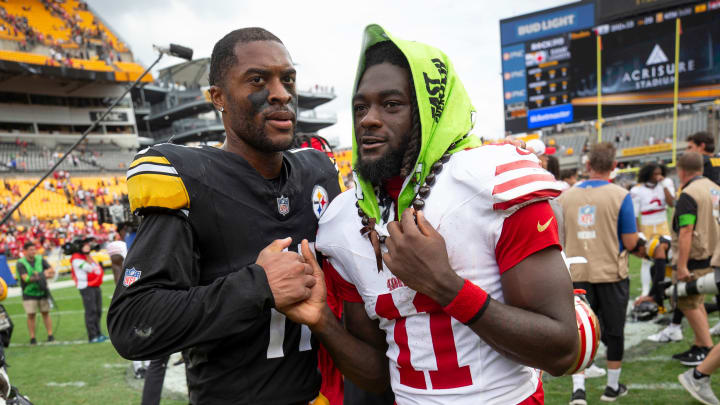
[(190, 281)]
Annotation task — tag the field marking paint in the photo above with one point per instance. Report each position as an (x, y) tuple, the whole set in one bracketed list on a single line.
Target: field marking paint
[(17, 291), (52, 313), (78, 384), (652, 358), (115, 365), (656, 386), (57, 343)]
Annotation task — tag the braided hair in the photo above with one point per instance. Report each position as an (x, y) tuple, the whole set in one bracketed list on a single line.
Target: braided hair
[(388, 52)]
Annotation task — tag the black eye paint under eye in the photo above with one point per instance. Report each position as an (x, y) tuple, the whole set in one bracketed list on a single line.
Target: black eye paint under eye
[(259, 100)]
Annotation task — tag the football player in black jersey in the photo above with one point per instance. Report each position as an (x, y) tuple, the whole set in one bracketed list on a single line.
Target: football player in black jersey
[(214, 264)]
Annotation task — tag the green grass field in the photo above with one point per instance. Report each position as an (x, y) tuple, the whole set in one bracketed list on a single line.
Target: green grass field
[(50, 373), (648, 370)]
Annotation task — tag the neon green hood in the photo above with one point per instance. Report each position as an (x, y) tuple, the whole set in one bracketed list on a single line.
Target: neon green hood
[(444, 108)]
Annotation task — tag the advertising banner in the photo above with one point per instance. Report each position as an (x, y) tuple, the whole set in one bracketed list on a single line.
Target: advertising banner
[(642, 59), (513, 67), (542, 117), (547, 24)]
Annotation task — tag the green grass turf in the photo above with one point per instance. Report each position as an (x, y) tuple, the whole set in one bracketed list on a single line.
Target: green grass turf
[(97, 365), (648, 364), (103, 371)]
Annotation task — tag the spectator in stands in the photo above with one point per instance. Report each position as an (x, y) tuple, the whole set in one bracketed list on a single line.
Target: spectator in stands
[(704, 144), (33, 281)]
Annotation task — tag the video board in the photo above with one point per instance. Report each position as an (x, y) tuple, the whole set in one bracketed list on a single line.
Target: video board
[(550, 76)]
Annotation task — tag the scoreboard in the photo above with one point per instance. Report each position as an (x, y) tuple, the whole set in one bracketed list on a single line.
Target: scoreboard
[(549, 60)]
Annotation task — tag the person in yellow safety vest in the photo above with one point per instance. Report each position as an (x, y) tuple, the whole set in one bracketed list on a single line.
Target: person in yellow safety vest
[(33, 280)]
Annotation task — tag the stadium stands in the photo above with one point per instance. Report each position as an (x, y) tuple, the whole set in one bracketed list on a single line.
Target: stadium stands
[(68, 33), (31, 158)]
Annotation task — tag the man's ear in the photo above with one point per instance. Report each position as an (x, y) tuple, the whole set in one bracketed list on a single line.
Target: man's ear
[(217, 97)]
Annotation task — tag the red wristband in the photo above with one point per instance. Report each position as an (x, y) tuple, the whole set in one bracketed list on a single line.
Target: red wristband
[(469, 304)]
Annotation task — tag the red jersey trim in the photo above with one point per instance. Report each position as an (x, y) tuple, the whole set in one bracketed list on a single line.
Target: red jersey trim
[(535, 195), (537, 398), (652, 211), (345, 290), (529, 230), (518, 164), (521, 181)]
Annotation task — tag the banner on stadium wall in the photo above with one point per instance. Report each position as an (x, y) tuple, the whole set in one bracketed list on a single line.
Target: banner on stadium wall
[(547, 24), (646, 150)]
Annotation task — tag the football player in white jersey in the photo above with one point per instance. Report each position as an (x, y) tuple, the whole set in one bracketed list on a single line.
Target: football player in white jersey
[(651, 197), (461, 299)]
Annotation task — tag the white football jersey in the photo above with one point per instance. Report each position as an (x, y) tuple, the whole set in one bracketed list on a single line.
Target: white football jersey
[(650, 203), (435, 359)]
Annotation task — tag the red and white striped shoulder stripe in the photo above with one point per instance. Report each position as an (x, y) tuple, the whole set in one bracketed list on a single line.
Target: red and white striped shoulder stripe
[(522, 182), (588, 334)]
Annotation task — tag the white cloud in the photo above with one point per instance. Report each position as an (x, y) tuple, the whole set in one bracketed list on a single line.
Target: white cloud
[(324, 37)]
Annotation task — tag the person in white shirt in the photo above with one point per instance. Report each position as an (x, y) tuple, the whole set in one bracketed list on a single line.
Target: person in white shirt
[(651, 197)]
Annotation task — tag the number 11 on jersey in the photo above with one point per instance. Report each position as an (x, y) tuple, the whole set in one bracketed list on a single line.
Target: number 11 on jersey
[(277, 336)]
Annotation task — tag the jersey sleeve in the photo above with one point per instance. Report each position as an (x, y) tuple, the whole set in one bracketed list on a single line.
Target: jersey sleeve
[(635, 196), (82, 265), (519, 180), (530, 229), (162, 309), (155, 185), (626, 219), (685, 211)]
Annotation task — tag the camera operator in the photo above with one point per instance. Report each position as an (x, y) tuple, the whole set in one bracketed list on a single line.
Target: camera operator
[(33, 280), (88, 276)]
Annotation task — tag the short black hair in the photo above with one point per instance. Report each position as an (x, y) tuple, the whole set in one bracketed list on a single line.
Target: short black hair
[(567, 173), (223, 54), (553, 166), (388, 52), (703, 137), (27, 245)]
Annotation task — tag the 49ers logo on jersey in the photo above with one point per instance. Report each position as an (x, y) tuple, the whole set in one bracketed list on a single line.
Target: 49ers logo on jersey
[(320, 200)]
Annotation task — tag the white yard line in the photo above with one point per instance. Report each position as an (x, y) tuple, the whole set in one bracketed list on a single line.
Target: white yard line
[(57, 343), (656, 386), (53, 313), (77, 384), (17, 292)]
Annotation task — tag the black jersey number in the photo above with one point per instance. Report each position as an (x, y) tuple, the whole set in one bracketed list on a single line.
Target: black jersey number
[(277, 336)]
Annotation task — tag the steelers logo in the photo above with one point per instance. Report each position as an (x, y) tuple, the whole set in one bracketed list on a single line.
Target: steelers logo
[(320, 200)]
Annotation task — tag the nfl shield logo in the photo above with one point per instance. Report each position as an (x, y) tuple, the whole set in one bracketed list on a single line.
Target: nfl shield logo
[(283, 204), (131, 276), (586, 215)]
